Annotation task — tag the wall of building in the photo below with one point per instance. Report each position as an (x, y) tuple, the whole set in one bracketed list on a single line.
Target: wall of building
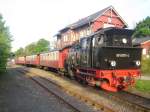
[(109, 19), (72, 35)]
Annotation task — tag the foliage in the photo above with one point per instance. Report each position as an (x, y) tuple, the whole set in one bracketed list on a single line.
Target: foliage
[(142, 28), (5, 46), (143, 85), (33, 48), (19, 52), (146, 66), (30, 49), (42, 45)]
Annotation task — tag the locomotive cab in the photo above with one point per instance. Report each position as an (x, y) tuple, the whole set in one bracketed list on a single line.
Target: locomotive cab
[(114, 46), (113, 37)]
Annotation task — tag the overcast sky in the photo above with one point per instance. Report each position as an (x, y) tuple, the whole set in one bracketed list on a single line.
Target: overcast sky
[(30, 20)]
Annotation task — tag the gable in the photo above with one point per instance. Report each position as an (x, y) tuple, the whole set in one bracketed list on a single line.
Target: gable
[(110, 18)]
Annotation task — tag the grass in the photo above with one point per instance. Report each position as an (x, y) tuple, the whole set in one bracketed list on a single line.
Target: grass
[(143, 85), (145, 66)]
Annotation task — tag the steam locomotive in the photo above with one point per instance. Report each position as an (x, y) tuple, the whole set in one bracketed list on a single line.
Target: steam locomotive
[(105, 59)]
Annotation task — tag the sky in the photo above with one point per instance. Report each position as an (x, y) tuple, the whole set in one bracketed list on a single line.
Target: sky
[(30, 20)]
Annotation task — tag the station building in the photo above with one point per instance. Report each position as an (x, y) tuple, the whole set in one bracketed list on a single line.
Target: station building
[(107, 17)]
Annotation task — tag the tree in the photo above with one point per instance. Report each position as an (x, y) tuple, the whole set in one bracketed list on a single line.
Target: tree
[(5, 44), (142, 29), (20, 52), (30, 49), (42, 45), (34, 48)]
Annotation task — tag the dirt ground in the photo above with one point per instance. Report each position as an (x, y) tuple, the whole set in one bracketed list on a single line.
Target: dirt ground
[(20, 94)]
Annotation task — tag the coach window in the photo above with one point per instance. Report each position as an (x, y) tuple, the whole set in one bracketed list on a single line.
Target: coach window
[(54, 55), (57, 55), (45, 56), (50, 56)]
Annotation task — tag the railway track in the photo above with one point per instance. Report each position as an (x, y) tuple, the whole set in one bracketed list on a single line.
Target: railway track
[(135, 101), (79, 106), (54, 89)]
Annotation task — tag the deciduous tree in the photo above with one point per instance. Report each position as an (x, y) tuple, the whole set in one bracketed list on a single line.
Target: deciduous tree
[(142, 28), (5, 46)]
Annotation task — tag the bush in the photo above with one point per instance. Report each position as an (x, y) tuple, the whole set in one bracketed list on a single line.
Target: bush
[(146, 66)]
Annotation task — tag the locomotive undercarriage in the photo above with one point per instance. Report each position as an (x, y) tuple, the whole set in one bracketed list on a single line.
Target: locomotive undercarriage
[(111, 80)]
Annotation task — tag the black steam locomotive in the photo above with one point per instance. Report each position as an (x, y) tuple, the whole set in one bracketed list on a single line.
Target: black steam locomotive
[(106, 58)]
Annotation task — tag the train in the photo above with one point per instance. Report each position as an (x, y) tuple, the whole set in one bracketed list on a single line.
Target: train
[(106, 59)]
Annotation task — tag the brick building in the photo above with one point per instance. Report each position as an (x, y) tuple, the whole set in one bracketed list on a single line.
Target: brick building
[(107, 17)]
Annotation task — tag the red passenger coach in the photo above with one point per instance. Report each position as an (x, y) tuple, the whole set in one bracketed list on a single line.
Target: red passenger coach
[(20, 60), (32, 60), (49, 59), (54, 59)]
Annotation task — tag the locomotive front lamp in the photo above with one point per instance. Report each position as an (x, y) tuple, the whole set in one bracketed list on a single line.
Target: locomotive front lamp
[(124, 40), (113, 63), (138, 63)]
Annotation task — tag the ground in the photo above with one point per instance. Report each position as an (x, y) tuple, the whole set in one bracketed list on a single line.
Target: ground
[(20, 94)]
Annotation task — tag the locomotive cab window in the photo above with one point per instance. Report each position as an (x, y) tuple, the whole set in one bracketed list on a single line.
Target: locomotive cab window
[(121, 40), (98, 40), (118, 40)]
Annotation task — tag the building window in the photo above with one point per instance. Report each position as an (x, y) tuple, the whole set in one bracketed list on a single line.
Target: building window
[(77, 36), (74, 37), (65, 38), (88, 32), (81, 33)]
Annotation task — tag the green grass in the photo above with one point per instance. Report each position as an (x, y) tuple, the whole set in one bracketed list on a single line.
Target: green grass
[(143, 85), (145, 66)]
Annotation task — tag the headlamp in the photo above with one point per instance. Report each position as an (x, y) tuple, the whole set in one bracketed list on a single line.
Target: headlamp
[(138, 63), (124, 40), (113, 63)]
